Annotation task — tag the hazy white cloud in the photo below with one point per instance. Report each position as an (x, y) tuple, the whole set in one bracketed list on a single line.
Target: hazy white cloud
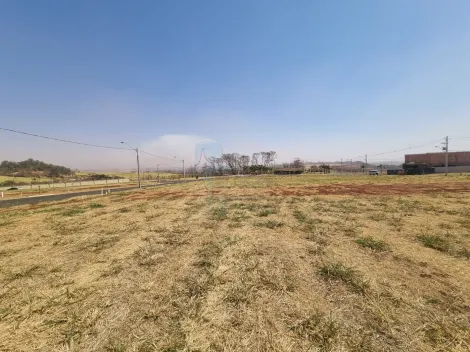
[(179, 147)]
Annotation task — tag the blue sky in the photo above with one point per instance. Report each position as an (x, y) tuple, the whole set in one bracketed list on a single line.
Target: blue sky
[(311, 79)]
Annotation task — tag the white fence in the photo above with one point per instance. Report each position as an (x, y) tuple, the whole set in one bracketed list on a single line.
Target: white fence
[(70, 184), (440, 170)]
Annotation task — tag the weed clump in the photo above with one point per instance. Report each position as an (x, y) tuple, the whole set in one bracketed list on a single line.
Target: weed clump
[(270, 224), (266, 212), (375, 245), (318, 329), (300, 216), (95, 205), (435, 242), (219, 213), (345, 274), (73, 211)]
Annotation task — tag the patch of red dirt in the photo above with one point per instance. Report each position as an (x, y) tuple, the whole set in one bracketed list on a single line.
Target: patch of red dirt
[(372, 189), (139, 196)]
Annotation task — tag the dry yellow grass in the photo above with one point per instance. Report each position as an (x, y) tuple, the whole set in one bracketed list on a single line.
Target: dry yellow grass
[(303, 263)]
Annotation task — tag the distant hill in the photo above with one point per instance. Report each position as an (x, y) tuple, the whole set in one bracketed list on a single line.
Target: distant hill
[(32, 168)]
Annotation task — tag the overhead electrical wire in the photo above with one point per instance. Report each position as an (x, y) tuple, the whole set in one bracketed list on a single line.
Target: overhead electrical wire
[(80, 143), (202, 151), (165, 163), (156, 156), (401, 150), (62, 140)]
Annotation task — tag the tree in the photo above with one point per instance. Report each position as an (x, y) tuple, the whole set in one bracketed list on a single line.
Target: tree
[(236, 163), (206, 169), (255, 159), (212, 166), (192, 171), (33, 167), (326, 169), (244, 162), (220, 165), (267, 158), (298, 163), (232, 161)]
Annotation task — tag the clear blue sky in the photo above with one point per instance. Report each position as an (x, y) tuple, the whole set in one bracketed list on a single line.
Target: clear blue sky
[(321, 80)]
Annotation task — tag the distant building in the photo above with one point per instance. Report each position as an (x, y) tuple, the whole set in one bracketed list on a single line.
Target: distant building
[(289, 170), (310, 168), (439, 159)]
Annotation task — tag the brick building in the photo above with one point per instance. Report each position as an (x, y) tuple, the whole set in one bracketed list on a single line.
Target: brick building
[(439, 159)]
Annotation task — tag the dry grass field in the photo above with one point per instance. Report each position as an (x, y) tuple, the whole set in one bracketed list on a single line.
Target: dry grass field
[(286, 263)]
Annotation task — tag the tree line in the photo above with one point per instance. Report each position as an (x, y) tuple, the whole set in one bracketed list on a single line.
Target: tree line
[(235, 163), (31, 167)]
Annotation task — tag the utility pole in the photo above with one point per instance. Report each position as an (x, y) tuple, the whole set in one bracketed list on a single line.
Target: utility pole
[(351, 167), (447, 154), (445, 148), (184, 171), (341, 170), (138, 165), (158, 171), (138, 162), (365, 166)]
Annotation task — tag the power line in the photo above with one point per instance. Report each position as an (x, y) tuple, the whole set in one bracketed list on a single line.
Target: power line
[(156, 156), (412, 147), (385, 159), (62, 140), (79, 143), (400, 150), (166, 164)]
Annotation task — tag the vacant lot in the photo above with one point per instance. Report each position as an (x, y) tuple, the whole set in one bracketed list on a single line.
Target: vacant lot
[(301, 263)]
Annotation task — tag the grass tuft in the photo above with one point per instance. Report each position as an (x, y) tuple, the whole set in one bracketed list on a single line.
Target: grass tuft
[(318, 329), (219, 213), (266, 212), (6, 222), (95, 205), (435, 242), (345, 274), (101, 243), (270, 224), (73, 211), (300, 216), (370, 242), (145, 255)]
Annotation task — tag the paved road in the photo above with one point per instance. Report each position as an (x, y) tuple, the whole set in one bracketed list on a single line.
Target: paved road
[(55, 197)]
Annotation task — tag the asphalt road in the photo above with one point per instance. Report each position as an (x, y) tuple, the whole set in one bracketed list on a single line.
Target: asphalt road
[(54, 197)]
